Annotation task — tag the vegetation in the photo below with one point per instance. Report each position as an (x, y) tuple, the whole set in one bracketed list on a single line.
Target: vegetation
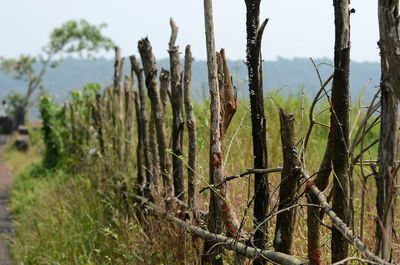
[(73, 37), (67, 217), (91, 200)]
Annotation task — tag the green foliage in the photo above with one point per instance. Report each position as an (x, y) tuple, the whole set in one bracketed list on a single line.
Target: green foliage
[(21, 68), (78, 36), (72, 37), (54, 131)]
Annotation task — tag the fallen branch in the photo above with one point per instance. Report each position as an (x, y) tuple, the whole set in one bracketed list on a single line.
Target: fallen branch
[(339, 224), (229, 243), (241, 175)]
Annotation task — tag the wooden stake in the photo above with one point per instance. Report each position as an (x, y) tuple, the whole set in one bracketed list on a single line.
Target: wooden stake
[(150, 69), (177, 113)]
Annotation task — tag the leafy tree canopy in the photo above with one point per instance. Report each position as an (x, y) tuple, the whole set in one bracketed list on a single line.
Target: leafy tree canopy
[(72, 37)]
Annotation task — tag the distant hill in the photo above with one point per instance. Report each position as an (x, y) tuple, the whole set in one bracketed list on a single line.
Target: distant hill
[(287, 75)]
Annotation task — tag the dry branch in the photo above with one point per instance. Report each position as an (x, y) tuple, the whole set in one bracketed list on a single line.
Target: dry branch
[(128, 83), (142, 123), (338, 223), (229, 243), (191, 127), (215, 222), (386, 180), (177, 113), (97, 111), (258, 121), (164, 84), (340, 126), (150, 69), (285, 222), (139, 148), (117, 106), (388, 11), (243, 174)]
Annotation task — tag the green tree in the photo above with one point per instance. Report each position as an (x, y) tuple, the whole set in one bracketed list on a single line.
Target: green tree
[(72, 37)]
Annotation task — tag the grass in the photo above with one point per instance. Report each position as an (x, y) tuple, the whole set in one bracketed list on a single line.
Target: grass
[(70, 216)]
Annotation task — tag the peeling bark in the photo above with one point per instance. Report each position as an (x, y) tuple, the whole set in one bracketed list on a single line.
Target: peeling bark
[(215, 224)]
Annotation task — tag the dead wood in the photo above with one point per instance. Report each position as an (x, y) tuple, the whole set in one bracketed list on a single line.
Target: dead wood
[(150, 69), (164, 84), (225, 242), (254, 64), (191, 128), (285, 221), (338, 223), (177, 113), (340, 127), (142, 123), (386, 180), (388, 12), (215, 222)]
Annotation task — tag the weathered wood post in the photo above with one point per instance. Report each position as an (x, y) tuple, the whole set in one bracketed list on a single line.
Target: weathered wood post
[(150, 70), (117, 105), (340, 126), (191, 128), (290, 177), (164, 84), (258, 121), (128, 95), (177, 113), (386, 197), (215, 222), (143, 131), (97, 115)]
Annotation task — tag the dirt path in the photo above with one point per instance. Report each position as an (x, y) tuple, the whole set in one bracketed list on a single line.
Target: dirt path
[(5, 219)]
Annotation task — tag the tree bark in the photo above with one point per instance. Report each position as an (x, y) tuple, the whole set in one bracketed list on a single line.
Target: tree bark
[(388, 12), (191, 128), (177, 114), (128, 95), (215, 224), (150, 69), (164, 83), (313, 216), (386, 181), (117, 102), (139, 149), (340, 225), (340, 126), (143, 131), (261, 199), (229, 243), (286, 220), (97, 112)]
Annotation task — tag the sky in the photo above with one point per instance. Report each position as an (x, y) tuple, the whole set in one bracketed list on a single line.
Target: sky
[(296, 28)]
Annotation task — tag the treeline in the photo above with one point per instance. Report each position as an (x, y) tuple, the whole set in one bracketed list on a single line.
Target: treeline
[(286, 74)]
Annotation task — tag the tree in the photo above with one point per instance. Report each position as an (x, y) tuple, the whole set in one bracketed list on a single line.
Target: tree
[(72, 37)]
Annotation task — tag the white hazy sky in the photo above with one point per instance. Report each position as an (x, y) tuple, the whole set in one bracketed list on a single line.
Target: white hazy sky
[(296, 28)]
